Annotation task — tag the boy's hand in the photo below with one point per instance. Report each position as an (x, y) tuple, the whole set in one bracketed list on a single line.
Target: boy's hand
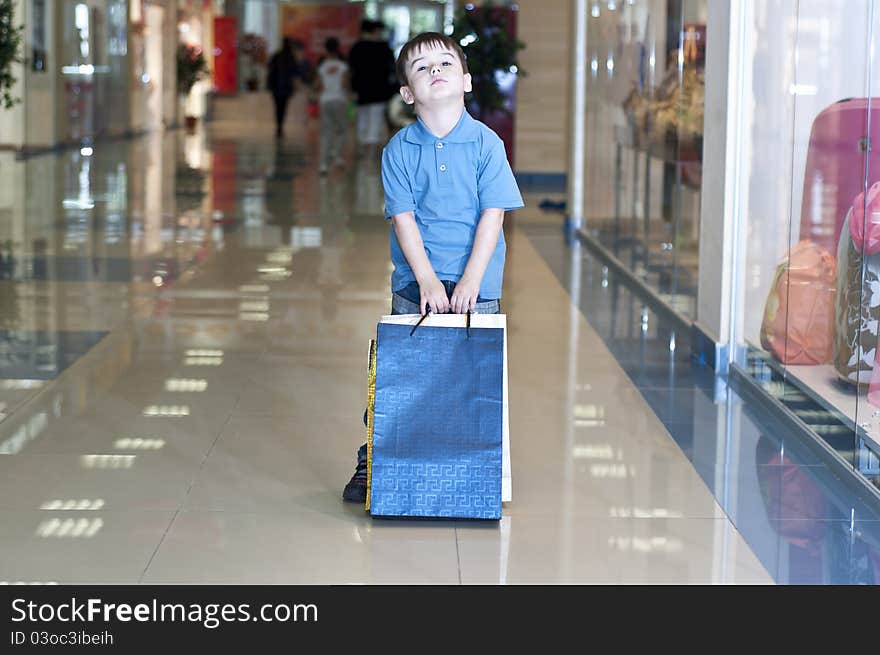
[(464, 296), (433, 293)]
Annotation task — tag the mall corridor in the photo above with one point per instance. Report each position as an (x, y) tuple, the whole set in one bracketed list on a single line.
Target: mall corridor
[(184, 335)]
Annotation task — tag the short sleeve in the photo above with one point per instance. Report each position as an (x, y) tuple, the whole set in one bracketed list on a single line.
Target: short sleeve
[(395, 181), (496, 185)]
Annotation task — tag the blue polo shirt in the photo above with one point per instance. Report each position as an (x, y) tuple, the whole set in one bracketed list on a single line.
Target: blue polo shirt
[(447, 183)]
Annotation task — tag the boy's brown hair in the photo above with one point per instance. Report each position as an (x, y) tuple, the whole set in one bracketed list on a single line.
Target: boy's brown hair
[(426, 39)]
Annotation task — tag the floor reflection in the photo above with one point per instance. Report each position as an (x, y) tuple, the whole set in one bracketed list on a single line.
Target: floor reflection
[(803, 522), (206, 300)]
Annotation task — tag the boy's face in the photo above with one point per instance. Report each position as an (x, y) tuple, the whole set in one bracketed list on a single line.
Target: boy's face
[(435, 77)]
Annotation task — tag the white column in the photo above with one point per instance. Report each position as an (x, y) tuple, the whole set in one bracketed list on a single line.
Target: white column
[(578, 114), (720, 212)]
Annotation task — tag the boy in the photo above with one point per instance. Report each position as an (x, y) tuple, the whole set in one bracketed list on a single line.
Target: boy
[(447, 185), (331, 83)]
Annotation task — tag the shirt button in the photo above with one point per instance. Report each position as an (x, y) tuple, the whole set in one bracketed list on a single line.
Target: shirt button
[(440, 145), (442, 167)]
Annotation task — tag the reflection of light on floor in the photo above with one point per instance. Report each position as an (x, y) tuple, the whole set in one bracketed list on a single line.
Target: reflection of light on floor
[(254, 288), (83, 505), (185, 384), (611, 471), (26, 432), (306, 237), (4, 583), (201, 352), (253, 316), (167, 411), (593, 451), (71, 528), (137, 443), (279, 257), (253, 306), (203, 361), (107, 461), (21, 384), (589, 416), (660, 544), (639, 513)]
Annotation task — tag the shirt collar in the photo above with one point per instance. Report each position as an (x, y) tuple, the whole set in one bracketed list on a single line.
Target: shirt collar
[(466, 130)]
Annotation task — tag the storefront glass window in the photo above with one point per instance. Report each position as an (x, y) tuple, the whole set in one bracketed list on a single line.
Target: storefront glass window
[(644, 135), (809, 276)]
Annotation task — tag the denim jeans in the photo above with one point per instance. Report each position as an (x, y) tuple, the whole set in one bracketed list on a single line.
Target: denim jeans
[(407, 301)]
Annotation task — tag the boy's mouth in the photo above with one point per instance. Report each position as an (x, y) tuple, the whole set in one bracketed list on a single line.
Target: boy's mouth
[(438, 80)]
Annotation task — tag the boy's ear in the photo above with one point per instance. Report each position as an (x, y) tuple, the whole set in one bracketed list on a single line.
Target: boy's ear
[(407, 95), (467, 83)]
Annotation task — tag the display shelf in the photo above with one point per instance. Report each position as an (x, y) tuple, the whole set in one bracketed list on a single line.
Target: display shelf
[(823, 387), (848, 404)]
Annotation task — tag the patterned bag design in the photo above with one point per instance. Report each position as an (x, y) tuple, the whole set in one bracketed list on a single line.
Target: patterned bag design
[(858, 310), (436, 442), (798, 326), (864, 225)]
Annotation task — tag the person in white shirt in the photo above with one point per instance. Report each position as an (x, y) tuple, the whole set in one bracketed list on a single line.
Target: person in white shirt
[(332, 83)]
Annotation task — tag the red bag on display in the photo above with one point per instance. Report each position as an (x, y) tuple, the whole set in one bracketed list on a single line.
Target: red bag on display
[(835, 168), (798, 325), (864, 224)]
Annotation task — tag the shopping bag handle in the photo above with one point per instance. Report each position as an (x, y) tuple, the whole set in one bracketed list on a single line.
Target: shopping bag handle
[(424, 316), (467, 324)]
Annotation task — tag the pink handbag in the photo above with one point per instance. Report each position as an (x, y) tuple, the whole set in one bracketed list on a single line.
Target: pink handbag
[(798, 325), (837, 157), (864, 224)]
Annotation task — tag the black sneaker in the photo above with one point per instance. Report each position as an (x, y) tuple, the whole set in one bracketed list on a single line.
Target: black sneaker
[(356, 489)]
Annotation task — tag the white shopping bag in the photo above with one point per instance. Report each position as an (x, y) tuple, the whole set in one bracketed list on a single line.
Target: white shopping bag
[(477, 321)]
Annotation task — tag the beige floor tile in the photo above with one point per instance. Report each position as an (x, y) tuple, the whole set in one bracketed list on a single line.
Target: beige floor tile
[(564, 549), (79, 547), (304, 548)]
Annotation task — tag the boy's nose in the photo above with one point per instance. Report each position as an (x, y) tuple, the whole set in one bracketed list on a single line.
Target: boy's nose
[(435, 69)]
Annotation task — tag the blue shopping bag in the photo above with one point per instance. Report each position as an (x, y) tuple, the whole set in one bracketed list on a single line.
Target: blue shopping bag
[(436, 443)]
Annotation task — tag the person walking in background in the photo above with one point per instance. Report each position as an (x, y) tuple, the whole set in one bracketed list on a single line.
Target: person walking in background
[(373, 79), (304, 69), (281, 81), (332, 83)]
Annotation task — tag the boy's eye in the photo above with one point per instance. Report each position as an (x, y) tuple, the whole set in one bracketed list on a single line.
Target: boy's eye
[(447, 63), (421, 68)]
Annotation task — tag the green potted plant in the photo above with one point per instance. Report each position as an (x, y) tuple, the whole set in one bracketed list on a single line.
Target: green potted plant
[(256, 51), (485, 38), (191, 67), (10, 43)]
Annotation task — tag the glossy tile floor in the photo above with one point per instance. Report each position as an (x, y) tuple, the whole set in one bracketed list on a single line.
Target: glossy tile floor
[(183, 330)]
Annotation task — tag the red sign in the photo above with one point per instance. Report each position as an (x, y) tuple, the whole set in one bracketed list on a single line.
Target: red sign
[(225, 55), (313, 24)]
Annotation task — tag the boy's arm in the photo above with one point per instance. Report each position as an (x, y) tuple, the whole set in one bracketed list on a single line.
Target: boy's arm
[(466, 292), (431, 289)]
